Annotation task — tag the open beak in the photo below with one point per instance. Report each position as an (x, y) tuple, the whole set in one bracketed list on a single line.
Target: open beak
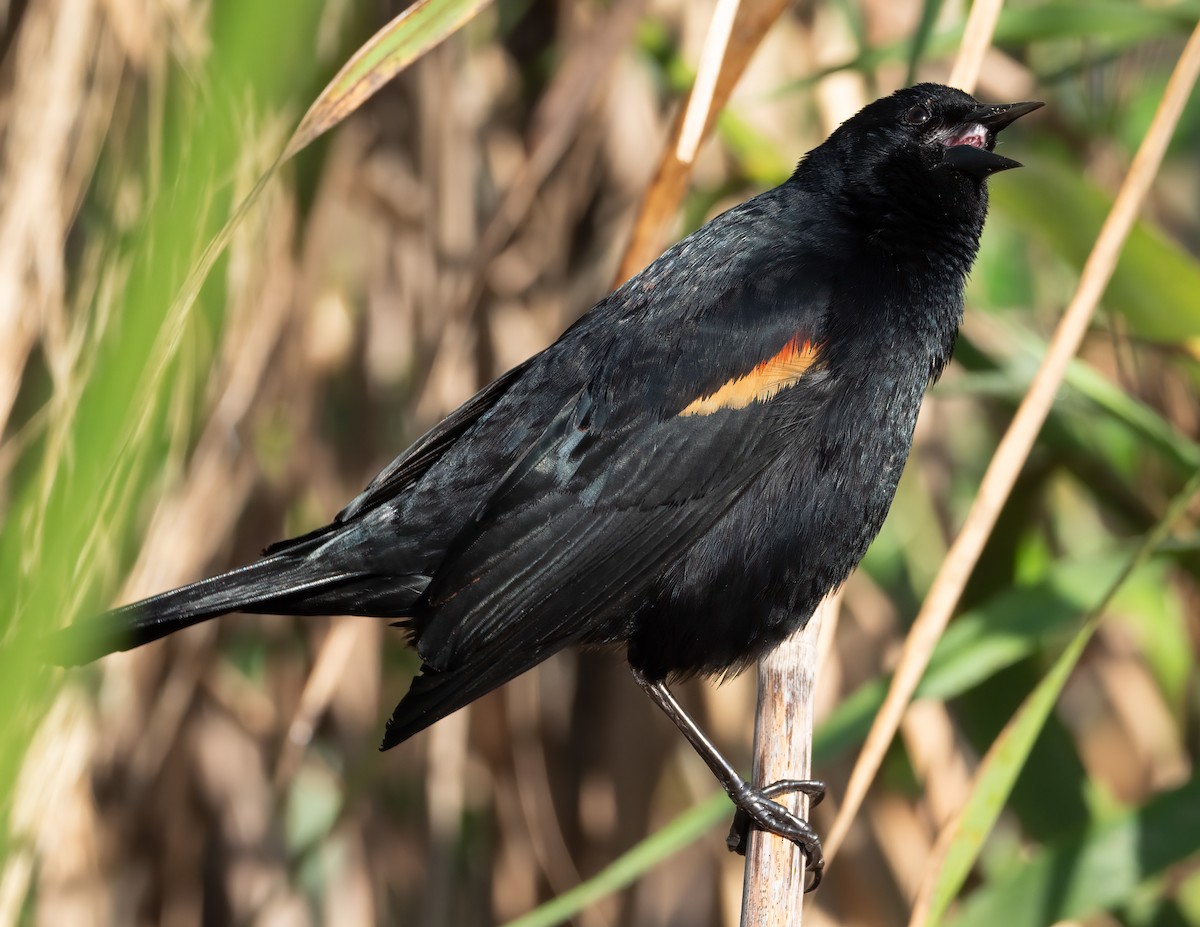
[(969, 144)]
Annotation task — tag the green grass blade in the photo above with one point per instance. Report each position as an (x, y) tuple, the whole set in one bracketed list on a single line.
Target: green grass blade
[(397, 45), (406, 38), (1129, 22), (127, 405), (1138, 417), (632, 864)]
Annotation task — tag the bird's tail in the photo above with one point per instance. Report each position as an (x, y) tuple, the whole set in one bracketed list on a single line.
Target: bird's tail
[(286, 583), (434, 694)]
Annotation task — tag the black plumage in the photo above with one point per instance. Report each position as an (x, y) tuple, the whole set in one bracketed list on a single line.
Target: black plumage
[(690, 468)]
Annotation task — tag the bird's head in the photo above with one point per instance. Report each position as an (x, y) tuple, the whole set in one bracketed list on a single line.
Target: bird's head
[(917, 158), (936, 127)]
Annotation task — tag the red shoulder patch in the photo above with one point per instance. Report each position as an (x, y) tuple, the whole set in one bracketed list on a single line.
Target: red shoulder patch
[(769, 378)]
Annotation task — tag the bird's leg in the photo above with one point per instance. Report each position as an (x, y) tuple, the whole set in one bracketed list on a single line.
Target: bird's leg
[(756, 806)]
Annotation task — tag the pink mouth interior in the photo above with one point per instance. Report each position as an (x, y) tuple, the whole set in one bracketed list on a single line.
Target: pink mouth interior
[(974, 135)]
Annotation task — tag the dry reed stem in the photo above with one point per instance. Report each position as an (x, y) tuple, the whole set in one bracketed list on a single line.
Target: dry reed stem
[(54, 51), (716, 78), (535, 790), (1141, 710), (700, 101), (1018, 441), (333, 660), (976, 40), (939, 764), (555, 125), (53, 823), (773, 888)]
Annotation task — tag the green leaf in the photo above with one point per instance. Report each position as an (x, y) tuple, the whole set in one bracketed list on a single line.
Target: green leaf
[(980, 643), (1023, 352), (999, 771), (126, 407), (1155, 282), (1130, 22), (1097, 871), (1114, 24)]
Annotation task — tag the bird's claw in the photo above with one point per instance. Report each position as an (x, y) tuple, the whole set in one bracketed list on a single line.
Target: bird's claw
[(757, 807)]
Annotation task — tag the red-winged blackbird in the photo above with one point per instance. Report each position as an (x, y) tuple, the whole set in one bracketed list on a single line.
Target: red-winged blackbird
[(688, 470)]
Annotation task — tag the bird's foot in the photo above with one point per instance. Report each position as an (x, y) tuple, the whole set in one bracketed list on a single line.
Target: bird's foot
[(757, 808)]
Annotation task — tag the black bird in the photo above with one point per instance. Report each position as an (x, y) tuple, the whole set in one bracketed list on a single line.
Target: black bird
[(687, 470)]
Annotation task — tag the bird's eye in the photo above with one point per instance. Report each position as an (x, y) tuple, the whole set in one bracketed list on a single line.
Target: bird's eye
[(917, 116)]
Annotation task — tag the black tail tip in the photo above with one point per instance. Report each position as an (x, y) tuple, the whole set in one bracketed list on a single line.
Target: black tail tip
[(394, 735), (420, 707)]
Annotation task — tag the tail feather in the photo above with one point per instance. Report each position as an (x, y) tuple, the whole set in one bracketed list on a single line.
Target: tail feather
[(434, 694), (278, 580)]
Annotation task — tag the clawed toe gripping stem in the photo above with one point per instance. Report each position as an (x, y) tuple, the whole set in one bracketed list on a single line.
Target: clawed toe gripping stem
[(757, 808)]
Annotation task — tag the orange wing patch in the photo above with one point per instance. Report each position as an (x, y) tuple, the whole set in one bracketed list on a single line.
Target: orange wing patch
[(769, 378)]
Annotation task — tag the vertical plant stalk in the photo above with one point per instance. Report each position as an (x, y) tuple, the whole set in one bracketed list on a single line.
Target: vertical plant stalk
[(700, 108), (1018, 441), (736, 31), (976, 40), (773, 887)]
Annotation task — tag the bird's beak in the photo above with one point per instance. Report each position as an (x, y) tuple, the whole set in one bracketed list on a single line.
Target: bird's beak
[(969, 144)]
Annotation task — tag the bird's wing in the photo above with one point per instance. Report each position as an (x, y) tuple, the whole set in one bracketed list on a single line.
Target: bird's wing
[(406, 468), (410, 465), (635, 466)]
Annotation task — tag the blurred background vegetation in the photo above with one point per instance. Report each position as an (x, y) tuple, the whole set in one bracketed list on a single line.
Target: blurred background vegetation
[(449, 228)]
